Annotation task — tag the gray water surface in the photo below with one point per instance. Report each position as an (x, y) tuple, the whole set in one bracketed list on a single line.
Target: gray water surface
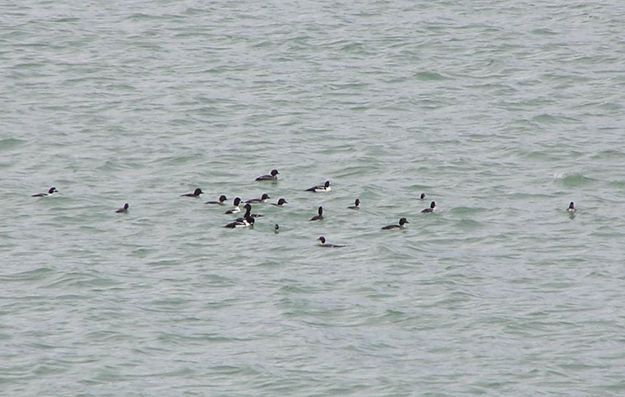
[(502, 112)]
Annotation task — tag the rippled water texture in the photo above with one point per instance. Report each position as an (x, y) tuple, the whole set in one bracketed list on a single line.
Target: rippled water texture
[(502, 112)]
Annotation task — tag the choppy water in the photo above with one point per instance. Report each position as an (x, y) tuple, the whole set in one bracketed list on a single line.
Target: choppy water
[(502, 112)]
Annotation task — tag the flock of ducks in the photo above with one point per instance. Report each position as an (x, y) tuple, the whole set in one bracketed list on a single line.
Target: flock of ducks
[(248, 219)]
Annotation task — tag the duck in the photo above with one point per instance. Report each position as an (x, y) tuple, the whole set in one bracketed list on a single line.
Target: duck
[(320, 188), (123, 209), (276, 229), (322, 243), (401, 225), (422, 197), (273, 176), (196, 193), (280, 203), (248, 213), (247, 222), (235, 209), (431, 209), (221, 200), (319, 215), (356, 205), (571, 209), (262, 199), (50, 191)]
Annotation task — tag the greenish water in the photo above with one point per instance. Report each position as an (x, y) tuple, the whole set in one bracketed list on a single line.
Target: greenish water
[(501, 112)]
